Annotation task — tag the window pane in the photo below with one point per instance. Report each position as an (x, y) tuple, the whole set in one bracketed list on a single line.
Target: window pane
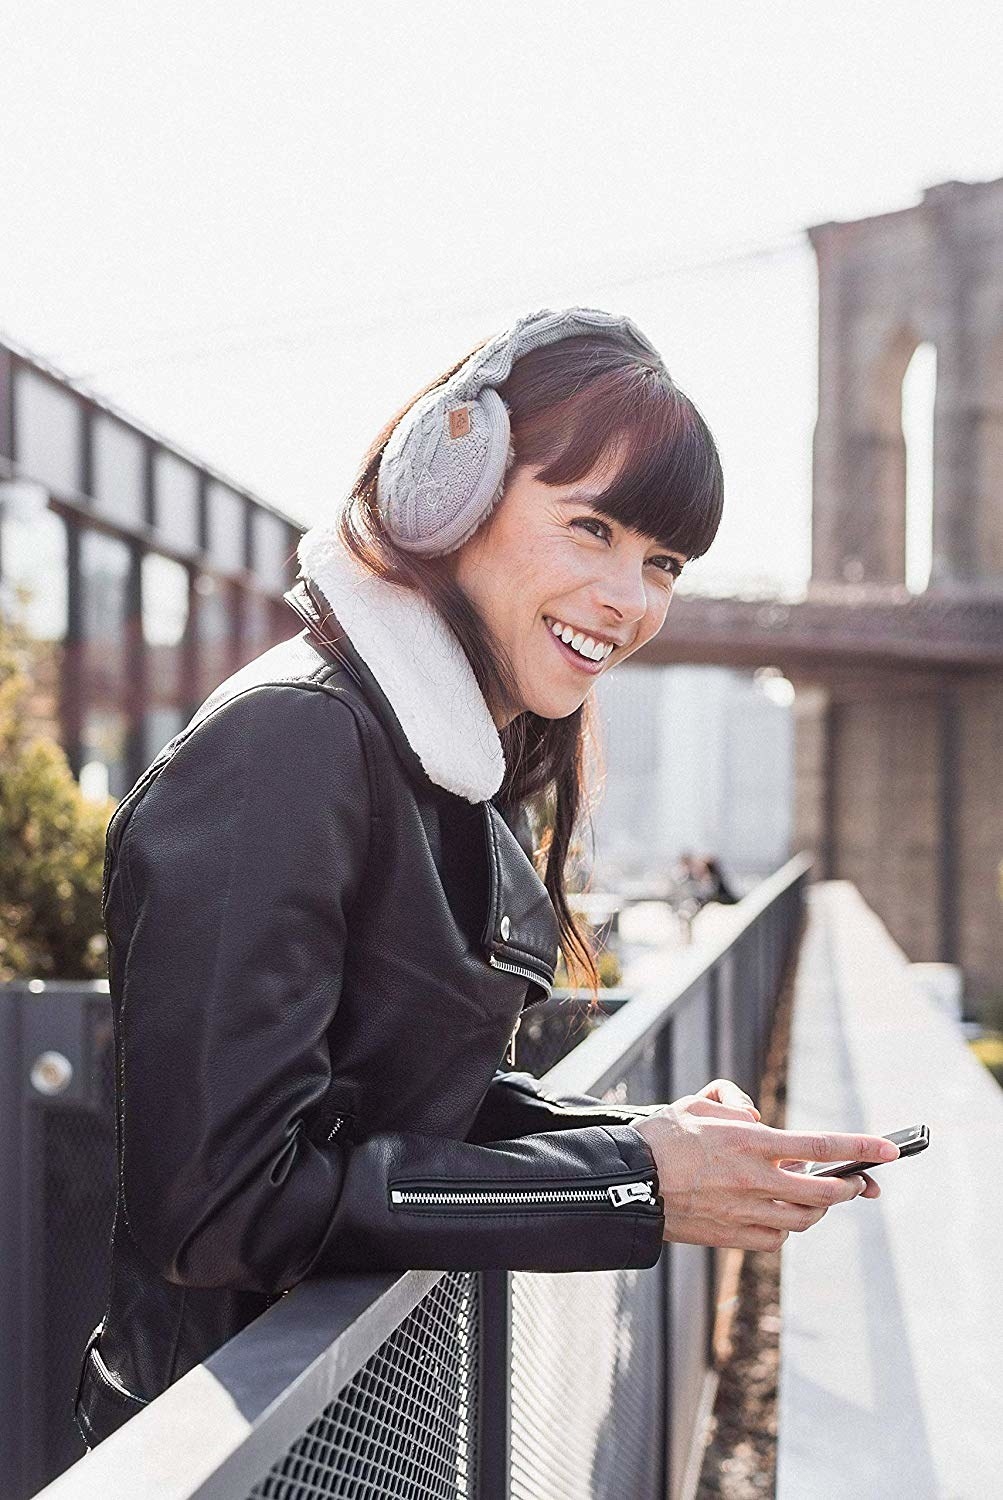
[(176, 500), (273, 546), (33, 570), (165, 600), (226, 519), (165, 623), (118, 464), (104, 563), (47, 431), (33, 592), (217, 632)]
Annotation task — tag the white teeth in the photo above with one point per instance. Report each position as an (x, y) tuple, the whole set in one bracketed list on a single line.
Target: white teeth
[(584, 644)]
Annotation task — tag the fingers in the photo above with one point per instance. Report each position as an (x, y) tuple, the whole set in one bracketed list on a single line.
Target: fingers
[(794, 1217), (871, 1189), (727, 1092), (701, 1105), (825, 1146), (799, 1187), (727, 1236)]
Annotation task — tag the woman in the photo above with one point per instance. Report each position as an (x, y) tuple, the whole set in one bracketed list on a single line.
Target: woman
[(323, 915)]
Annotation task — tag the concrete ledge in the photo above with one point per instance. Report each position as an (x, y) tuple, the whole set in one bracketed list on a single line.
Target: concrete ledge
[(892, 1310)]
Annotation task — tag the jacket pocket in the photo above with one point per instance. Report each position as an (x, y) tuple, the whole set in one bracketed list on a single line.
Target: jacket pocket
[(102, 1403)]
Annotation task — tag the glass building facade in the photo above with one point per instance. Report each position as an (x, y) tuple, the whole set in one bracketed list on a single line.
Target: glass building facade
[(144, 577)]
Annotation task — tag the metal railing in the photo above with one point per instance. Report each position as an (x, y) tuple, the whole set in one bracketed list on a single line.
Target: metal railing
[(495, 1384)]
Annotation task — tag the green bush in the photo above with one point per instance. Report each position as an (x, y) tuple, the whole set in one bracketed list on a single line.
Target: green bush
[(610, 971), (51, 841), (989, 1050)]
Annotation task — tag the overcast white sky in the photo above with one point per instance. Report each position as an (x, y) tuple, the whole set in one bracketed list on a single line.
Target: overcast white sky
[(261, 227)]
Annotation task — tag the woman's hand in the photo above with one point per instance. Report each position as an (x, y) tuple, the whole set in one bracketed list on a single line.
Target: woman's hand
[(724, 1091), (728, 1180)]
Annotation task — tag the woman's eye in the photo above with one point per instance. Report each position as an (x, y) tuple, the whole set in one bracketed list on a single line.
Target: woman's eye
[(597, 528), (602, 530)]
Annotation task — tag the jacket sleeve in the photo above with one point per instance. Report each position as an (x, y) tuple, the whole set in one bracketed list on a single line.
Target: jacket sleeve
[(237, 873), (517, 1104)]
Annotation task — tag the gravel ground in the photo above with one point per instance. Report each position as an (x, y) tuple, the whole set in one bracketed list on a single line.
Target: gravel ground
[(740, 1461)]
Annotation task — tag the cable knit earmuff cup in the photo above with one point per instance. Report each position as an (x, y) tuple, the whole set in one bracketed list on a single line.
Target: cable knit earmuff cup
[(444, 467)]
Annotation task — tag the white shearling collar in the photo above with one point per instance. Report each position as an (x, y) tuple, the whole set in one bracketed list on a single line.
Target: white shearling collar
[(419, 664)]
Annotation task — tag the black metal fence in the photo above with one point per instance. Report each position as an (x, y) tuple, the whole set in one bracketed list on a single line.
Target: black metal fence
[(57, 1197), (500, 1385)]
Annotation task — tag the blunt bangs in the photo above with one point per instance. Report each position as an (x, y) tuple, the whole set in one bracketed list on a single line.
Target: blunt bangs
[(609, 404)]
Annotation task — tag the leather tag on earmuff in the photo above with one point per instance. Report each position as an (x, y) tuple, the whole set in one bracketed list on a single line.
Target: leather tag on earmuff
[(459, 421)]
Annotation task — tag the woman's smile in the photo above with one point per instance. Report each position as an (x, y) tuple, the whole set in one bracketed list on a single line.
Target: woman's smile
[(581, 652)]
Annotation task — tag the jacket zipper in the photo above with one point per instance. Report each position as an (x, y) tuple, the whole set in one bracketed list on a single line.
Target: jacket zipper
[(617, 1193), (336, 1126), (510, 1054), (537, 978)]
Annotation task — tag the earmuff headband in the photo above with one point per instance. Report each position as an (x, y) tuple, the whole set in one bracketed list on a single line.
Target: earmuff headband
[(444, 466)]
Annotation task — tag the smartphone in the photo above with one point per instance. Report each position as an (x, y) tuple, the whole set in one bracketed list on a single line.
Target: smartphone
[(916, 1138)]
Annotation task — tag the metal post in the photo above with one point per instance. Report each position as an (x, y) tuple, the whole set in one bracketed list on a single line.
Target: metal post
[(947, 865), (494, 1406), (12, 1476)]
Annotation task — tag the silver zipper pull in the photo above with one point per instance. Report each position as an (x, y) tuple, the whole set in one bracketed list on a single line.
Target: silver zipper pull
[(510, 1054), (626, 1192)]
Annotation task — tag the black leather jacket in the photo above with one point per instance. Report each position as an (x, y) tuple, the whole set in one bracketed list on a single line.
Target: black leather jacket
[(316, 960)]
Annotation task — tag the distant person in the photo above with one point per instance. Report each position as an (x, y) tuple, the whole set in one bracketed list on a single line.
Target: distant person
[(717, 887), (684, 883)]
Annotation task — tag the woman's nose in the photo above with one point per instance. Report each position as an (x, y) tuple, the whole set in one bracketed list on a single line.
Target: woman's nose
[(622, 589)]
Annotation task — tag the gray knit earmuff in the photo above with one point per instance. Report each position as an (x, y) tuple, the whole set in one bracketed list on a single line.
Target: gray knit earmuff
[(443, 468)]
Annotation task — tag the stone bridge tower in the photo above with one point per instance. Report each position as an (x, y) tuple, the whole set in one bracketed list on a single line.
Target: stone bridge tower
[(887, 284), (901, 769)]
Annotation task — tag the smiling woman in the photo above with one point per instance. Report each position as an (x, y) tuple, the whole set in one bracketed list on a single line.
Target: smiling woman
[(324, 919), (323, 915)]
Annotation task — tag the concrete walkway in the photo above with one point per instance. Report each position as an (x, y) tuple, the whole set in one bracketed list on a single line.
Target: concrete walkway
[(891, 1346)]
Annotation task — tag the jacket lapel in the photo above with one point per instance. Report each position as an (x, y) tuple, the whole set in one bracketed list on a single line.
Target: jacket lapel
[(520, 932)]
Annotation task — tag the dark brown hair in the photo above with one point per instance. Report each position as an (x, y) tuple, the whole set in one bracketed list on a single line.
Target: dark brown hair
[(571, 404)]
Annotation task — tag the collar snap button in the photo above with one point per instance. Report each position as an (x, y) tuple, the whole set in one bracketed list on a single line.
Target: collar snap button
[(506, 928)]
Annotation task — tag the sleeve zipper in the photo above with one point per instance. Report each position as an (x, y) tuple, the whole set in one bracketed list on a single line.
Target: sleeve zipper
[(617, 1193)]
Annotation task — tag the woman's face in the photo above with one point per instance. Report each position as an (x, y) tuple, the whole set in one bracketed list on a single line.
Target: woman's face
[(546, 558)]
